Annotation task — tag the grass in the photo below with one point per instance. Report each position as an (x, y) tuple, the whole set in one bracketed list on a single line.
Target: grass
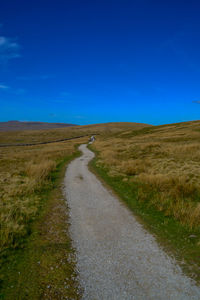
[(36, 247), (45, 267), (37, 260), (37, 136), (26, 170), (25, 173), (156, 172), (165, 161)]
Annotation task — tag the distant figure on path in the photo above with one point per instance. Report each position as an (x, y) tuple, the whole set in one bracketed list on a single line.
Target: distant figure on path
[(92, 139)]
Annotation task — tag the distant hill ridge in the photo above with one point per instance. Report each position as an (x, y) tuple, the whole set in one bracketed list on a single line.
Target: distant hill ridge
[(17, 125)]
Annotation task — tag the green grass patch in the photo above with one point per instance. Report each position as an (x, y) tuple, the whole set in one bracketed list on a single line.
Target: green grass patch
[(177, 239), (42, 266)]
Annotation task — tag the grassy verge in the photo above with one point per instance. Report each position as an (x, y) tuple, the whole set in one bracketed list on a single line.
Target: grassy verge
[(178, 239), (43, 263)]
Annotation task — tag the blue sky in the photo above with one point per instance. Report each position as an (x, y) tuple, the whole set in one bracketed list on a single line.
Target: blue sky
[(93, 61)]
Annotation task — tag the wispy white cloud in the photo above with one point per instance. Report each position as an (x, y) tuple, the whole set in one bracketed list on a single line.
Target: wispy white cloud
[(9, 49), (4, 87), (16, 91)]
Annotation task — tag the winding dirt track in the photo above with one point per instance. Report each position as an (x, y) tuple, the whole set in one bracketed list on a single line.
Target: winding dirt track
[(116, 257)]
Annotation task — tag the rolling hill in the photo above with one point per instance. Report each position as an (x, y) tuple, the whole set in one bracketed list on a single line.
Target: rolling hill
[(17, 125)]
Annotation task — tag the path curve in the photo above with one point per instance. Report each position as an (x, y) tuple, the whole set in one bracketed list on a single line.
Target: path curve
[(116, 258)]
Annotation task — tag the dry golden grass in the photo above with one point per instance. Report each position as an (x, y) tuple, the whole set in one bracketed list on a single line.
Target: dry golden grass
[(31, 205), (36, 136), (24, 171), (164, 162)]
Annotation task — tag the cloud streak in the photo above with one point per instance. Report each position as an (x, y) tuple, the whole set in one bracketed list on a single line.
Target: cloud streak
[(4, 87), (8, 89), (9, 49), (197, 101)]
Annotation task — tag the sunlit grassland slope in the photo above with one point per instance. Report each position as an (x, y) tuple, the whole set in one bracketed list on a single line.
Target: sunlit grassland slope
[(36, 253), (37, 136), (36, 249), (156, 171), (24, 171)]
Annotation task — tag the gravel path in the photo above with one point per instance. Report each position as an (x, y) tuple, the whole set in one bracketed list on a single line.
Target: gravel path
[(116, 257)]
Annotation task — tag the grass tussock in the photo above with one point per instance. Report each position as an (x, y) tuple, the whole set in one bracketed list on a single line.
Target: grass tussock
[(41, 171)]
